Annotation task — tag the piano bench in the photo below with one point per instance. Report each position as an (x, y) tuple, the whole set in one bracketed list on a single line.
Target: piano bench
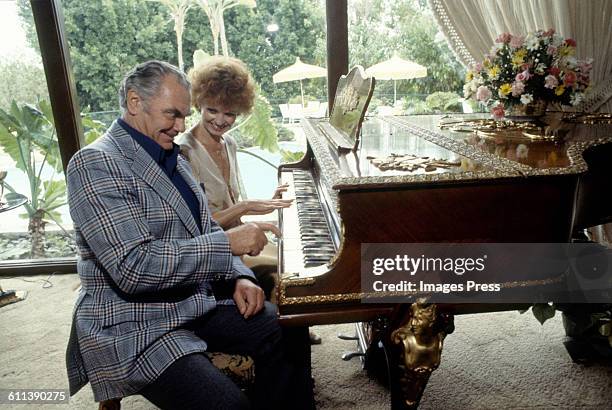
[(239, 368)]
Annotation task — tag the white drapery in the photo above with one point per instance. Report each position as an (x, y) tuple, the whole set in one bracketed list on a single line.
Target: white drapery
[(471, 27)]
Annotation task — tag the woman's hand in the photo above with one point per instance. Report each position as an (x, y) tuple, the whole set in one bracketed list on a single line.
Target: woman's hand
[(279, 191), (264, 206)]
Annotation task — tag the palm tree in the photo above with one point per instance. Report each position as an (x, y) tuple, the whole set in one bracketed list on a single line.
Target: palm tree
[(27, 133), (178, 12), (214, 10)]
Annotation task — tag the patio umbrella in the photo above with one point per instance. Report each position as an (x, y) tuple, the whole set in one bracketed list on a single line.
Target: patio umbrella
[(396, 68), (299, 71)]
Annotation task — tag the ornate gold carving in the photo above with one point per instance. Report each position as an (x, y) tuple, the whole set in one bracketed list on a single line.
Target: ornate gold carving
[(421, 350), (411, 163), (586, 118)]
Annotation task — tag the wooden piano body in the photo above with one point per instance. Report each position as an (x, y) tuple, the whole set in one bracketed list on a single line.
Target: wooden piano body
[(472, 187)]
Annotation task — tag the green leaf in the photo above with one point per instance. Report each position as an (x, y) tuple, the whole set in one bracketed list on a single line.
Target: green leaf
[(543, 312), (54, 195), (289, 156), (259, 126)]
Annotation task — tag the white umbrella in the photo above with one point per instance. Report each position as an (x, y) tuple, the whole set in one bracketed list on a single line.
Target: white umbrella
[(299, 71), (396, 68)]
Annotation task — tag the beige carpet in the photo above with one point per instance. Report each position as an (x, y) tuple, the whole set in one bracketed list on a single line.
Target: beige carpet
[(492, 361)]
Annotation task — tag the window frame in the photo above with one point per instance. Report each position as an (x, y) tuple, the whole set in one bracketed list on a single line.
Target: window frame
[(50, 29)]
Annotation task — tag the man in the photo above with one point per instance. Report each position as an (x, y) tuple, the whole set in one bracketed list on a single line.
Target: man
[(155, 268)]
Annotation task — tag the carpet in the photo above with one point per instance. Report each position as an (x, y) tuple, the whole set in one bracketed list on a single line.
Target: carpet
[(493, 360)]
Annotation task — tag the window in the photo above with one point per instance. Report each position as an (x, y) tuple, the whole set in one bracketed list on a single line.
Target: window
[(29, 150)]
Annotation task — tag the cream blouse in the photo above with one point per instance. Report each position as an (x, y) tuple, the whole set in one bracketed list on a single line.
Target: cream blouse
[(220, 194)]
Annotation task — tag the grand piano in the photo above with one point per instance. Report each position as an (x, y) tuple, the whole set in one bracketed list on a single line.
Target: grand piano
[(412, 179)]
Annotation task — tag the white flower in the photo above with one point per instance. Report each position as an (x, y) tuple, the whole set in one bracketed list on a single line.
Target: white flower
[(576, 98), (557, 40), (550, 81), (469, 88), (571, 62), (540, 69), (526, 98), (532, 42)]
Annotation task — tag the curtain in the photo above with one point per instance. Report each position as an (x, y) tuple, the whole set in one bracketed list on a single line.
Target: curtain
[(471, 27)]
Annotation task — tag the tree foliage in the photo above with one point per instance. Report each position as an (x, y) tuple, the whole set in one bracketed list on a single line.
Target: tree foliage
[(379, 28), (23, 82), (107, 37), (301, 32)]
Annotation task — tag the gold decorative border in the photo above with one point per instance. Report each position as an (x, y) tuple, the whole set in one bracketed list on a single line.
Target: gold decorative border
[(285, 300)]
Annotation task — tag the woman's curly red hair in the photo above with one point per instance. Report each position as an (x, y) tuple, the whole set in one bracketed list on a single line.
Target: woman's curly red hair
[(223, 81)]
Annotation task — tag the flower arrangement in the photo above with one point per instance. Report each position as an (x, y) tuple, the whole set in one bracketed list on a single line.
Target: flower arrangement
[(519, 71)]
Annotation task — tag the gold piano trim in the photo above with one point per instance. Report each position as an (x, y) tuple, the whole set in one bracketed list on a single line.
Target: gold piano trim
[(353, 297)]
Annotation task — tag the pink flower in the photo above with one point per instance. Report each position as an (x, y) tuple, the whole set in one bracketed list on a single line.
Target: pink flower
[(498, 112), (517, 88), (551, 50), (569, 79), (549, 32), (517, 41), (585, 66), (504, 38), (483, 93), (554, 71), (550, 81), (570, 42), (523, 76)]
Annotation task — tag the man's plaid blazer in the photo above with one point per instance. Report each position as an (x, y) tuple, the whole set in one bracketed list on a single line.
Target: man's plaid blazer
[(146, 269)]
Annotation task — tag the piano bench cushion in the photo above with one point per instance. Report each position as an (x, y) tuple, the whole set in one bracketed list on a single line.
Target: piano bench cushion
[(239, 368)]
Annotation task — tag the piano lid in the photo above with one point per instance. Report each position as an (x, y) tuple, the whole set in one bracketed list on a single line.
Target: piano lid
[(413, 150)]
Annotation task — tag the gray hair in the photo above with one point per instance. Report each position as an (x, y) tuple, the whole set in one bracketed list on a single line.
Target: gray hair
[(146, 78)]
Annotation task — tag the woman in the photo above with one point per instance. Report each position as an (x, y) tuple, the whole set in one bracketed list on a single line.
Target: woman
[(222, 89)]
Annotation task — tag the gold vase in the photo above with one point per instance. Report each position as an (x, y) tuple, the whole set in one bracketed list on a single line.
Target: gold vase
[(526, 112)]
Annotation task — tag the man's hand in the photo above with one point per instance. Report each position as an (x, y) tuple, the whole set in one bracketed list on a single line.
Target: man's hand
[(250, 238), (249, 297)]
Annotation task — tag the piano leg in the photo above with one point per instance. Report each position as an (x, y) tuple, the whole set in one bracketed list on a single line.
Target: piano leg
[(415, 349), (297, 351)]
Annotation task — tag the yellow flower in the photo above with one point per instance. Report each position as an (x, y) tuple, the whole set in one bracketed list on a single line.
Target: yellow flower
[(505, 89), (521, 53), (494, 71), (469, 76), (518, 57), (560, 90), (517, 60), (565, 51)]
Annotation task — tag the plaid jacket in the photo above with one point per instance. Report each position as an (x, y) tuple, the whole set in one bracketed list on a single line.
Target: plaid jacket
[(145, 268)]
